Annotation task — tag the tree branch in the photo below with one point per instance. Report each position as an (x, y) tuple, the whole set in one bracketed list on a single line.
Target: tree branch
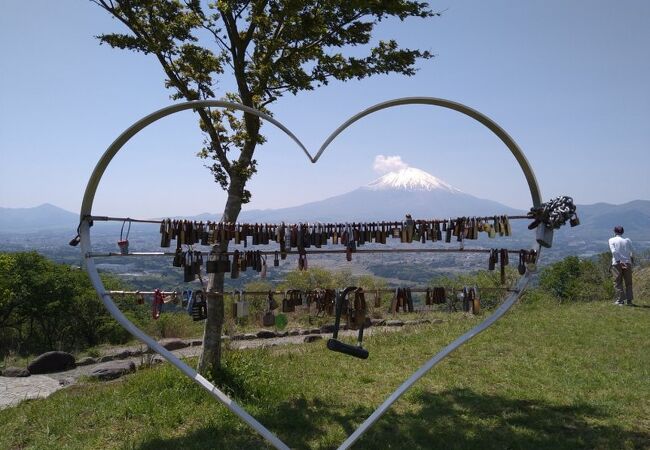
[(175, 79)]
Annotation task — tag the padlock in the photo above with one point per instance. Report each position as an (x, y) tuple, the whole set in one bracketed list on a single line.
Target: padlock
[(544, 235), (179, 256), (124, 246), (199, 306), (197, 262), (268, 319), (212, 265), (224, 263), (287, 305), (123, 243), (188, 273), (476, 301), (234, 273), (356, 310), (521, 267), (165, 233), (272, 304)]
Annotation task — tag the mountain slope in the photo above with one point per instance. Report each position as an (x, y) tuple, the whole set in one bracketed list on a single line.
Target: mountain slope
[(599, 219), (408, 191), (43, 217)]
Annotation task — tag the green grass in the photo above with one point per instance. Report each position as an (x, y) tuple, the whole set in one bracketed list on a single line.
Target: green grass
[(546, 376)]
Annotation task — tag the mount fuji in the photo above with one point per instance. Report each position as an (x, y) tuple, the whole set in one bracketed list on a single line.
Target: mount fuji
[(390, 197)]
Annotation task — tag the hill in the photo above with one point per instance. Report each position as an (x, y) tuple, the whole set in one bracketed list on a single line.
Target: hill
[(548, 376), (45, 217)]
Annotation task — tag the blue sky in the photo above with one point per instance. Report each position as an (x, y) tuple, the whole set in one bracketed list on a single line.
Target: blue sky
[(569, 80)]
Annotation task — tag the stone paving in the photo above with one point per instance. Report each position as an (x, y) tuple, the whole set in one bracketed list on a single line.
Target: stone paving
[(15, 390)]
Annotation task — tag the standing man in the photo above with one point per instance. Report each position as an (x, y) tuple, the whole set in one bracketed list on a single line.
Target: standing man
[(622, 261)]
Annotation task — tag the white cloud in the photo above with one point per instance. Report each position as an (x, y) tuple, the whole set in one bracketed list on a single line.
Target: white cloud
[(384, 164)]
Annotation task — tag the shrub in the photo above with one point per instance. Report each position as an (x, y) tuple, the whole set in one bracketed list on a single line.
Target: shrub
[(574, 279), (173, 324)]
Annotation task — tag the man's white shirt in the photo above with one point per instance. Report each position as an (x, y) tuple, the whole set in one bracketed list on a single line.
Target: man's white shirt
[(621, 250)]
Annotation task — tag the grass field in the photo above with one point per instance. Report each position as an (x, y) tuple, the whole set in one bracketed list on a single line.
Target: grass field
[(547, 376)]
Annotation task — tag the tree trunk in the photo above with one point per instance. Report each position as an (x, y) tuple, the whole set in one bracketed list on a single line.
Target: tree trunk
[(210, 360)]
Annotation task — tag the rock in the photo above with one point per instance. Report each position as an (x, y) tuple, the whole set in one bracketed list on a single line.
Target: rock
[(224, 338), (196, 342), (282, 333), (312, 338), (249, 337), (436, 321), (294, 332), (173, 344), (15, 372), (86, 361), (314, 331), (266, 334), (106, 358), (411, 322), (394, 323), (424, 321), (378, 322), (51, 362), (123, 354), (327, 328), (112, 370), (237, 337), (303, 332)]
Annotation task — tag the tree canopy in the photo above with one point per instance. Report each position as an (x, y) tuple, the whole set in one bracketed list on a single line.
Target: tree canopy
[(48, 306), (269, 47)]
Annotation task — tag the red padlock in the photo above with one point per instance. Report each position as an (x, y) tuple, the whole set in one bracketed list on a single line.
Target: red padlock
[(124, 246), (123, 243)]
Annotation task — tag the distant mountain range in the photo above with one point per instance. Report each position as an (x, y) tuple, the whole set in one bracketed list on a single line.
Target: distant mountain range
[(599, 220), (45, 217), (390, 197)]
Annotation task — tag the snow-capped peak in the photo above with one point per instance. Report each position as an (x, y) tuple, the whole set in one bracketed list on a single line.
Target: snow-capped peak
[(410, 179)]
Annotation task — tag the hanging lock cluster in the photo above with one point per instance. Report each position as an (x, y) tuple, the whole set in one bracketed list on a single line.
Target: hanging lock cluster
[(303, 235), (554, 213)]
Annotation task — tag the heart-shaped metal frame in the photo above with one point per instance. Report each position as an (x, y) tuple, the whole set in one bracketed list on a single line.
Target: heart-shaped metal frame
[(89, 263)]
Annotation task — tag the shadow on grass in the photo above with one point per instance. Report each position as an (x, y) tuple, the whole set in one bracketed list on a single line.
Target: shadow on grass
[(453, 419)]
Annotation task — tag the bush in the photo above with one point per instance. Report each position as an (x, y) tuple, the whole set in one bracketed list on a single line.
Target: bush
[(112, 332), (173, 324), (48, 306), (574, 279)]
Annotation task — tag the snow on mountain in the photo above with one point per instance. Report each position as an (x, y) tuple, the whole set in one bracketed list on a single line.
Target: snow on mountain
[(410, 179)]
